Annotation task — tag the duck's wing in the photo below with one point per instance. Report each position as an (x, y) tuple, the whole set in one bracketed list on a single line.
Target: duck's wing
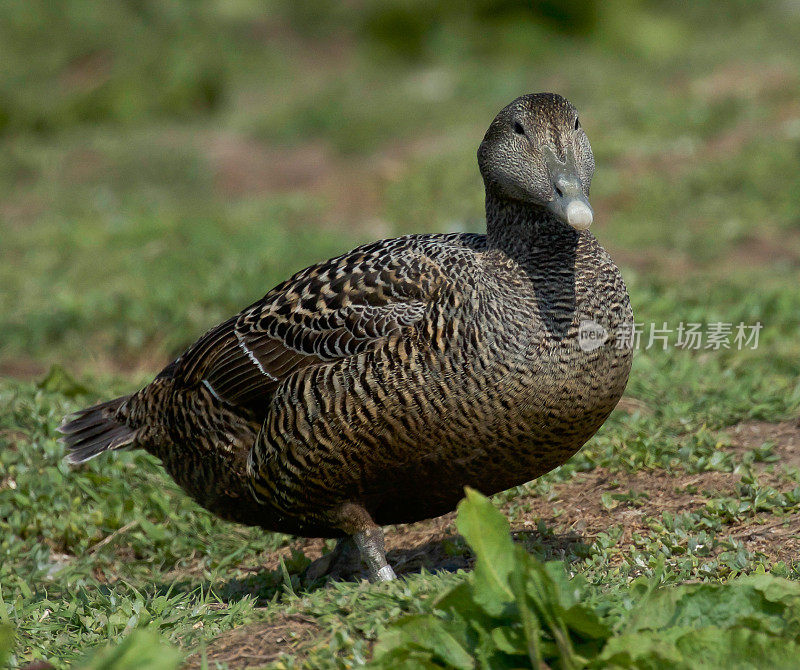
[(337, 309)]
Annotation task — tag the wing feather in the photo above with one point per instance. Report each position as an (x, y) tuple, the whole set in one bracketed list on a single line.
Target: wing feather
[(330, 311)]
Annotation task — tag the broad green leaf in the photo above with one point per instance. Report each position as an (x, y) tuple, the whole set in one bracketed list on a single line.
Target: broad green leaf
[(141, 650), (488, 534), (735, 648), (406, 658), (531, 630), (584, 621), (709, 647), (739, 602), (644, 651), (6, 643), (563, 597), (427, 633), (509, 640), (775, 589), (458, 599)]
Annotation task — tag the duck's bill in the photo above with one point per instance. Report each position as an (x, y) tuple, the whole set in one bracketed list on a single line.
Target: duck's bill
[(569, 202), (579, 213), (572, 210)]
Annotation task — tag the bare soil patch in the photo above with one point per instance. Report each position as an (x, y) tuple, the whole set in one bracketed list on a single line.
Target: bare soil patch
[(22, 368), (38, 665), (147, 360), (754, 434), (246, 168), (660, 262), (743, 81), (88, 72), (255, 645), (243, 166), (630, 405), (598, 501), (350, 187), (757, 252)]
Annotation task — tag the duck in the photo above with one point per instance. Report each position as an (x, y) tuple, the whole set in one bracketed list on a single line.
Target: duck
[(372, 388)]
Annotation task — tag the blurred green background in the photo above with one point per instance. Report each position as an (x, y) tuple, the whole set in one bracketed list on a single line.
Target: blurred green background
[(166, 163)]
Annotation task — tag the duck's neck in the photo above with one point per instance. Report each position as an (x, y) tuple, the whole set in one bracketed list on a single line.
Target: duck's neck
[(519, 229)]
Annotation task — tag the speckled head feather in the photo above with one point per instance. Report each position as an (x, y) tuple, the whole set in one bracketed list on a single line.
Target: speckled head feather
[(536, 152)]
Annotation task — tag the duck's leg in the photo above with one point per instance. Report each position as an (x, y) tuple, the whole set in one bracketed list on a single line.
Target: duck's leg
[(354, 520), (370, 544)]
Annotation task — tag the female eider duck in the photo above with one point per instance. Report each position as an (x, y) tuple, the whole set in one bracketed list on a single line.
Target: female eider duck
[(370, 389)]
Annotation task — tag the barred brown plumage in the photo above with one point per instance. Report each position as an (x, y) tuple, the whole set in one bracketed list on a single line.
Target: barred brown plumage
[(371, 388)]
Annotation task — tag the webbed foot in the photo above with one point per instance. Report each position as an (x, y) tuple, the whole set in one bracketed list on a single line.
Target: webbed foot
[(341, 563)]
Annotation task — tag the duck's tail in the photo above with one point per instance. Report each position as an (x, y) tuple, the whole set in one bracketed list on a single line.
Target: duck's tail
[(96, 429)]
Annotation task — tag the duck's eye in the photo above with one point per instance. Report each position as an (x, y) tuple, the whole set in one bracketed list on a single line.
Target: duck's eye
[(518, 129), (577, 123)]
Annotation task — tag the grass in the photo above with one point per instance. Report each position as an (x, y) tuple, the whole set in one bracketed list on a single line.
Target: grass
[(127, 233)]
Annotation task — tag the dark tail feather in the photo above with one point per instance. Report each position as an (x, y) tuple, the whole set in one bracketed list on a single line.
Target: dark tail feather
[(94, 430)]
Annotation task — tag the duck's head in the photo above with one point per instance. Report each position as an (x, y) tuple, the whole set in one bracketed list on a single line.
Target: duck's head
[(536, 152)]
